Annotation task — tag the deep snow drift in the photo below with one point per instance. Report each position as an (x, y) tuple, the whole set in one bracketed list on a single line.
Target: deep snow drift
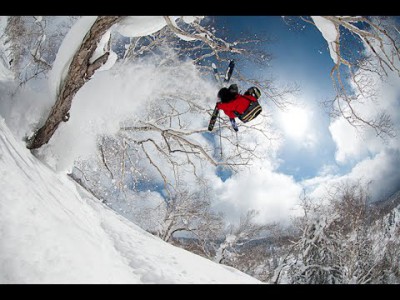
[(53, 231)]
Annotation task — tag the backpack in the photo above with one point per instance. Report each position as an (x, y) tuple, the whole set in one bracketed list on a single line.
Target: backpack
[(251, 112)]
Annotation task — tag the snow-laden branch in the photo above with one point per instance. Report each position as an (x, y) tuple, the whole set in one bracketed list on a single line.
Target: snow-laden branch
[(79, 71), (181, 136), (381, 55), (215, 44), (330, 33)]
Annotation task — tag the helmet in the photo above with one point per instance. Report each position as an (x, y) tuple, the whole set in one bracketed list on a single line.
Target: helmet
[(233, 88), (254, 91), (225, 95)]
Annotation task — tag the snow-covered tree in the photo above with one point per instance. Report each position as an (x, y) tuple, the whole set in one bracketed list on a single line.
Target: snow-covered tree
[(33, 42), (237, 236), (341, 242), (319, 261), (190, 213), (360, 45), (82, 67)]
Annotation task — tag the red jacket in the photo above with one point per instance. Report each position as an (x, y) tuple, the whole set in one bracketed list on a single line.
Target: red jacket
[(239, 104)]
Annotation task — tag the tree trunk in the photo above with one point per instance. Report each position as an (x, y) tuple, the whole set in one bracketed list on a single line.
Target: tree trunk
[(79, 72)]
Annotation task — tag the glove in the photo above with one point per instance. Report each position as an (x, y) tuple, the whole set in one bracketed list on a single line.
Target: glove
[(234, 125)]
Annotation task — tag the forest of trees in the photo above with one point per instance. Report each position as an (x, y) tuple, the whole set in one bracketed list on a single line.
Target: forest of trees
[(339, 239)]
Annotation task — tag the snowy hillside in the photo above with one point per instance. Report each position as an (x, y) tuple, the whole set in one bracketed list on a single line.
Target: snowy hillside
[(53, 231)]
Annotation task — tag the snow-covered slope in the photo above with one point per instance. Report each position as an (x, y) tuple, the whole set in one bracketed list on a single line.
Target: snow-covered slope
[(53, 231)]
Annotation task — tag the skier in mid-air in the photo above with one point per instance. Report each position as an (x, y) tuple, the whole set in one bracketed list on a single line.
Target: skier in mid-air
[(245, 107)]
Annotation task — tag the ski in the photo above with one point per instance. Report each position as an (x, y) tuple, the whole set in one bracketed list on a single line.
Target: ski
[(216, 74), (227, 77), (229, 71), (214, 117)]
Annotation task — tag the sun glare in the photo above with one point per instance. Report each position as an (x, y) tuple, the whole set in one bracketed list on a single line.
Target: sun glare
[(295, 122)]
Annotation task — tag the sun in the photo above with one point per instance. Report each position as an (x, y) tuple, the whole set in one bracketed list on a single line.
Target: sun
[(295, 121)]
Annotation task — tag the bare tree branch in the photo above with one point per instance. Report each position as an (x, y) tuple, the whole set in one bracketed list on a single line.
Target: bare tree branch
[(385, 51)]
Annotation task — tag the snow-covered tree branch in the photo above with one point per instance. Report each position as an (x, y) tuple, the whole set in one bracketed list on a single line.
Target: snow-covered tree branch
[(340, 242), (359, 45), (79, 71)]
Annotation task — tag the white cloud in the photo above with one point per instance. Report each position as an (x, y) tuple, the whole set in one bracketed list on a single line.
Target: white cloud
[(274, 195), (380, 173), (329, 169), (349, 143), (380, 96)]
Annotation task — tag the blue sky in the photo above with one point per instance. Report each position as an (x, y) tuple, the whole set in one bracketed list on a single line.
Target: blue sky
[(318, 151), (301, 55)]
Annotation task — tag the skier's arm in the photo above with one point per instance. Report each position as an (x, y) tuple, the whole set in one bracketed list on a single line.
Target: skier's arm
[(226, 108)]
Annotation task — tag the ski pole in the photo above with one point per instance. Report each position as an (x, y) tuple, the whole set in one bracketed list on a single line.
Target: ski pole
[(220, 137)]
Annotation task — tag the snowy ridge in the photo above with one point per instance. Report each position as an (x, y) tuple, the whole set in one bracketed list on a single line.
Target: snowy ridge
[(53, 231)]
